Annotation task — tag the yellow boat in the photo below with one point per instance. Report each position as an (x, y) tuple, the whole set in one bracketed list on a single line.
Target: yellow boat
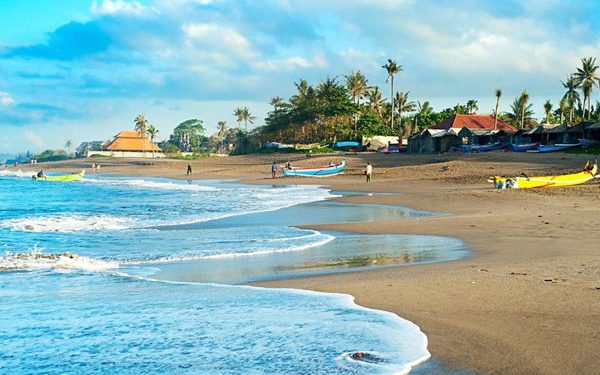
[(67, 178), (525, 182)]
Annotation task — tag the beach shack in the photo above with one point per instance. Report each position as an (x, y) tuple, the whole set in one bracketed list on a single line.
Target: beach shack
[(460, 130), (129, 144)]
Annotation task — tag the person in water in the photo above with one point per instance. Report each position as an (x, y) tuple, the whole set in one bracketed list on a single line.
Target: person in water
[(189, 169), (40, 174), (274, 170)]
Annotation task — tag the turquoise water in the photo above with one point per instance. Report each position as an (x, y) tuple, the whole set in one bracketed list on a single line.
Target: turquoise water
[(102, 276)]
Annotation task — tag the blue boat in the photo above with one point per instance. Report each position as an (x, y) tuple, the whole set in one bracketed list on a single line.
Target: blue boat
[(347, 144), (522, 147), (589, 143), (328, 170), (556, 147), (481, 148)]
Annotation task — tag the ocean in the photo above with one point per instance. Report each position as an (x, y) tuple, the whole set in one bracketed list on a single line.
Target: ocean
[(140, 276)]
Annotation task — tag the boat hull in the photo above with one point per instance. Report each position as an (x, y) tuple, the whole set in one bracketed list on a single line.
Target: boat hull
[(481, 148), (315, 171), (545, 181), (523, 147), (556, 147), (67, 178)]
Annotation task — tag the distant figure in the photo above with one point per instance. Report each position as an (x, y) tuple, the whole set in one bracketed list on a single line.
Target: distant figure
[(369, 172), (40, 174), (97, 168), (189, 169), (274, 170), (588, 166), (288, 165), (93, 167)]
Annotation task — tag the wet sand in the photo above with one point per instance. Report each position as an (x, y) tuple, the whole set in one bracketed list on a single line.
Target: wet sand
[(528, 299)]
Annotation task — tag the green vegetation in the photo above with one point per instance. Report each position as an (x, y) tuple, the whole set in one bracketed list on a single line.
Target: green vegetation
[(51, 155), (586, 151)]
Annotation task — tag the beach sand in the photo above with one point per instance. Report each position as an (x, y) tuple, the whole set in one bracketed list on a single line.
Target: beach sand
[(528, 299)]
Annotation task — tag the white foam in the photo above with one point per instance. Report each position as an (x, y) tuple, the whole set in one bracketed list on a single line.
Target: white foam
[(17, 173), (326, 239), (67, 223), (151, 184), (35, 260)]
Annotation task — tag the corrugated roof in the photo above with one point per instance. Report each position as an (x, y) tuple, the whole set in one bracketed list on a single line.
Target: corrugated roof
[(473, 122), (128, 140), (594, 126)]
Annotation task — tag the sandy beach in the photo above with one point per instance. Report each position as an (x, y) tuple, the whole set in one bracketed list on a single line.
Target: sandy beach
[(528, 299)]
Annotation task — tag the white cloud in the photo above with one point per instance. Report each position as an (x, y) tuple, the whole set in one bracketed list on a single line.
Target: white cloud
[(6, 99), (34, 139), (113, 7)]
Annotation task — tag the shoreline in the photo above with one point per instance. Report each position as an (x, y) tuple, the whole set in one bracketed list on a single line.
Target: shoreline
[(528, 298)]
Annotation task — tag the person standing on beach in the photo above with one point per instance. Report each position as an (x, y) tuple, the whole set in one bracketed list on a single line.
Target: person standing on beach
[(189, 169), (274, 170), (369, 172)]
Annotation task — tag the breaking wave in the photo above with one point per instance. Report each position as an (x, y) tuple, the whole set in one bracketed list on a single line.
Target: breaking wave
[(36, 260), (66, 223)]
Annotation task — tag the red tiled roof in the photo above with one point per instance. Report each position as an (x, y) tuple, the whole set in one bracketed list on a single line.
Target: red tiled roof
[(131, 141), (473, 122)]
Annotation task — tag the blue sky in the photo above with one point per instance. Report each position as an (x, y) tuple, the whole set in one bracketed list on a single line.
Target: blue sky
[(82, 70)]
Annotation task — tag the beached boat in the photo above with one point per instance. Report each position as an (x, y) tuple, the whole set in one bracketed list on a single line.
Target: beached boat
[(481, 148), (525, 182), (64, 178), (555, 147), (343, 144), (589, 143), (522, 147), (328, 170)]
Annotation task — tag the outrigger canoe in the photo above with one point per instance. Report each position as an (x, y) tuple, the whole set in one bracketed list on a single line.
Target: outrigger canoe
[(522, 147), (328, 170), (65, 178), (555, 147), (545, 181)]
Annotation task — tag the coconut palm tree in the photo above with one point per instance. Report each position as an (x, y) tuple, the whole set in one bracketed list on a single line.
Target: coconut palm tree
[(239, 115), (141, 125), (376, 102), (521, 112), (523, 100), (276, 102), (548, 110), (357, 86), (425, 111), (562, 108), (392, 69), (247, 117), (152, 132), (571, 96), (472, 107), (222, 131), (68, 145), (498, 95), (404, 105), (587, 76)]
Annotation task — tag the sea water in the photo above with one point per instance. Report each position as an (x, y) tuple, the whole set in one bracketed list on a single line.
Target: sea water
[(80, 289)]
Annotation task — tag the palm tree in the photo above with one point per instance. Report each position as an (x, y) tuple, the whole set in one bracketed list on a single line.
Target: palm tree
[(404, 105), (521, 112), (356, 84), (392, 69), (239, 115), (276, 102), (376, 102), (141, 125), (68, 145), (548, 110), (572, 95), (247, 117), (222, 132), (472, 107), (425, 110), (562, 107), (152, 132), (523, 100), (498, 95), (587, 76)]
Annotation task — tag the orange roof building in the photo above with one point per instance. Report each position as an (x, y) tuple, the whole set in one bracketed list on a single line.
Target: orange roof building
[(474, 122), (132, 141)]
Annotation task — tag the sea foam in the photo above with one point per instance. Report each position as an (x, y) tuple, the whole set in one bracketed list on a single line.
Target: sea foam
[(36, 260), (66, 223)]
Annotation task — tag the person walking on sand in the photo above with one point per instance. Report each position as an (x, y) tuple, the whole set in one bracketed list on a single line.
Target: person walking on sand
[(189, 169), (369, 172), (274, 170)]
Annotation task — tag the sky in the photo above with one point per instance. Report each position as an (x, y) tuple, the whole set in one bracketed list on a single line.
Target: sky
[(82, 70)]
